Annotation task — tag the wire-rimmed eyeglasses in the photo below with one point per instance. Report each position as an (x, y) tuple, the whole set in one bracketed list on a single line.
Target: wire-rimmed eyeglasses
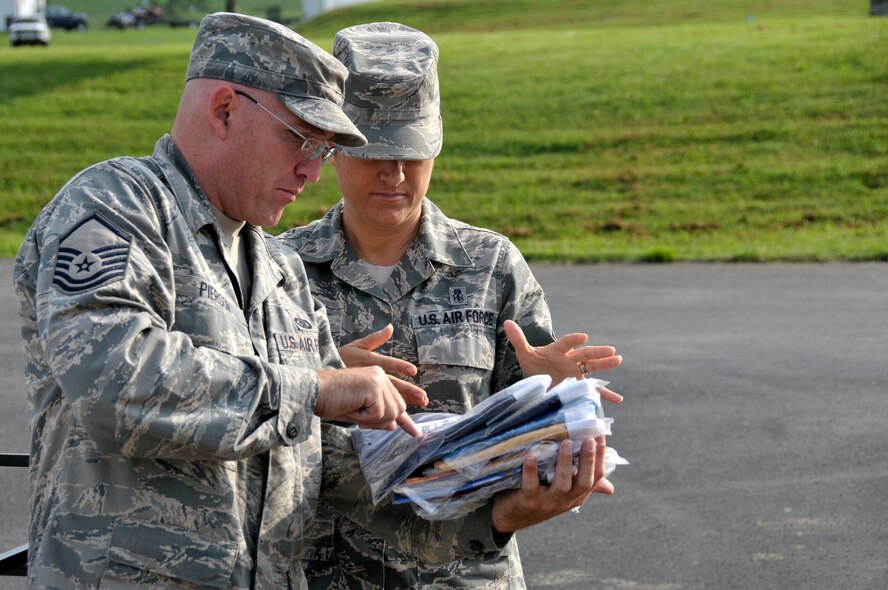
[(312, 147)]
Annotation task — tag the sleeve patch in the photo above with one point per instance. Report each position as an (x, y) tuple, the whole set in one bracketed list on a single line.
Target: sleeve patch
[(93, 254)]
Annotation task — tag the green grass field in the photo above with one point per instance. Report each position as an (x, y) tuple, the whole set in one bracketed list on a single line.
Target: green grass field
[(611, 130)]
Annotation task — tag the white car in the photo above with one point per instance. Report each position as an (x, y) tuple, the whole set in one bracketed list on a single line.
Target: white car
[(29, 29)]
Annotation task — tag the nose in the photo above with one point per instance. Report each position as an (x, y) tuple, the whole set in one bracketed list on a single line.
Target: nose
[(310, 169), (393, 172)]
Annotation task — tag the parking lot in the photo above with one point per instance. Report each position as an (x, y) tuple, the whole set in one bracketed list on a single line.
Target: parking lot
[(754, 423)]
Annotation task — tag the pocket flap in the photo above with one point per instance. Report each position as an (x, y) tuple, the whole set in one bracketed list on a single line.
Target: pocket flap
[(460, 347), (174, 552)]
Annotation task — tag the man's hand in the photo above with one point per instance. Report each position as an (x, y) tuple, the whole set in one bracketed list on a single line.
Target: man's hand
[(533, 503), (360, 354), (365, 396), (561, 359)]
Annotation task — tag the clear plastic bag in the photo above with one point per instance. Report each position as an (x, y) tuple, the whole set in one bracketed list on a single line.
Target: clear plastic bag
[(460, 461)]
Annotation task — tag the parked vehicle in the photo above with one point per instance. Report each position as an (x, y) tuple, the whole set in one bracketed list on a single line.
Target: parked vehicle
[(142, 16), (30, 29), (61, 17), (136, 17), (121, 20)]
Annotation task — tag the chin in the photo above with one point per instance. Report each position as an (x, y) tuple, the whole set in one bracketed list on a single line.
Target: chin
[(395, 219), (266, 220)]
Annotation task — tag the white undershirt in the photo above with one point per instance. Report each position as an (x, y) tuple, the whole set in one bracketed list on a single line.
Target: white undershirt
[(379, 274), (237, 253)]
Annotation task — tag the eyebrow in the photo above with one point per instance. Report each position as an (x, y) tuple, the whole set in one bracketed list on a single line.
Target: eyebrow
[(304, 127)]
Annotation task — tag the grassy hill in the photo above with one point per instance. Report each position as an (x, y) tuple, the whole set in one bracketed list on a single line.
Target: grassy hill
[(507, 15), (611, 130)]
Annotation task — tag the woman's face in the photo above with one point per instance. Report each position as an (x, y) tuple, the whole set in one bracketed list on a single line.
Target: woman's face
[(382, 195)]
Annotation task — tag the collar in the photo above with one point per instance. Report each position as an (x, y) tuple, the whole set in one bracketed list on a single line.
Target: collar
[(187, 192), (437, 241), (195, 208)]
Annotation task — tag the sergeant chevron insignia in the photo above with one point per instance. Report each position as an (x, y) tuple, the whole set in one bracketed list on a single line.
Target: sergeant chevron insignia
[(93, 254)]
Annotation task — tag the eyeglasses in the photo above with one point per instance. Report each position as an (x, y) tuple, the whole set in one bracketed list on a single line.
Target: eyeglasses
[(312, 147)]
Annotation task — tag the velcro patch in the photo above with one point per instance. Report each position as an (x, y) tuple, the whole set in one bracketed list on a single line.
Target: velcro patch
[(443, 317), (458, 295), (296, 342), (92, 254)]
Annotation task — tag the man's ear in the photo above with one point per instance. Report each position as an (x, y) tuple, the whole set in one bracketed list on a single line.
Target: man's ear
[(219, 109)]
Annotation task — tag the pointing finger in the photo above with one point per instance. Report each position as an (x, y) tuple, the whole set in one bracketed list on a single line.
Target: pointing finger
[(374, 340), (408, 425)]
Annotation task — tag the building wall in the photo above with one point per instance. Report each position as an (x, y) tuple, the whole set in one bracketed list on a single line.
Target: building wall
[(312, 8), (11, 8)]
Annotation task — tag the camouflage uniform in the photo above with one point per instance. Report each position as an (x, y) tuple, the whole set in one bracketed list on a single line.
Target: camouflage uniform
[(173, 440), (447, 299), (172, 435)]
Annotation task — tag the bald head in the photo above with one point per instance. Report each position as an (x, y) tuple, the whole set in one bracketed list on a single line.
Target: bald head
[(244, 146)]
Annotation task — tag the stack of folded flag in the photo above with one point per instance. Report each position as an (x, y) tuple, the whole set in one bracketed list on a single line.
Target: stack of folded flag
[(460, 461)]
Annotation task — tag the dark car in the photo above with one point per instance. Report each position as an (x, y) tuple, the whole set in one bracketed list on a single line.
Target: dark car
[(60, 17)]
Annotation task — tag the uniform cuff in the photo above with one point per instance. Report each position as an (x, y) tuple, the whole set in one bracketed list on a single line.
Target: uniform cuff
[(297, 395), (476, 535)]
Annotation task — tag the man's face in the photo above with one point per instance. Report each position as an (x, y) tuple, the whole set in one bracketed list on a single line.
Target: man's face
[(382, 195), (268, 168)]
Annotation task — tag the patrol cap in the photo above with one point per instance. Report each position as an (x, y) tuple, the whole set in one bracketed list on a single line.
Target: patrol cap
[(391, 93), (266, 55)]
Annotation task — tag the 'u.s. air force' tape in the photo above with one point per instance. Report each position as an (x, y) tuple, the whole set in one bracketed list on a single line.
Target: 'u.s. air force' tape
[(443, 317), (93, 254)]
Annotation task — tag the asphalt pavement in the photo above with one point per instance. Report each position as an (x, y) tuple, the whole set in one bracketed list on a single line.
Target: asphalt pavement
[(754, 423)]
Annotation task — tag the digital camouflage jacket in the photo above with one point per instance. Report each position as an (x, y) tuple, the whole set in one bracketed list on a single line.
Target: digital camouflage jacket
[(447, 300), (173, 441)]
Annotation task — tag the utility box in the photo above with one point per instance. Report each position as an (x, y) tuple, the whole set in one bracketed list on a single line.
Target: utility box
[(879, 7), (12, 8)]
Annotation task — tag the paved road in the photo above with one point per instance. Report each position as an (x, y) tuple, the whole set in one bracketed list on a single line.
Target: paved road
[(755, 422)]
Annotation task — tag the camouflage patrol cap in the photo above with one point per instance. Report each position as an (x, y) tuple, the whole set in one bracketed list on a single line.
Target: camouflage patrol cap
[(266, 55), (391, 93)]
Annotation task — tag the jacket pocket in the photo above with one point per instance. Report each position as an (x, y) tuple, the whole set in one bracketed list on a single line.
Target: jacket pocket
[(461, 347), (150, 555)]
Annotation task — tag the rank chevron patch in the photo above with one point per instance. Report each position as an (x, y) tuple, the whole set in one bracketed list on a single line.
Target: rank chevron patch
[(93, 254)]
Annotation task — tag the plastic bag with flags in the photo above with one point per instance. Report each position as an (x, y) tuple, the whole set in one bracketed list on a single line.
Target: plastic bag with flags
[(460, 461)]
